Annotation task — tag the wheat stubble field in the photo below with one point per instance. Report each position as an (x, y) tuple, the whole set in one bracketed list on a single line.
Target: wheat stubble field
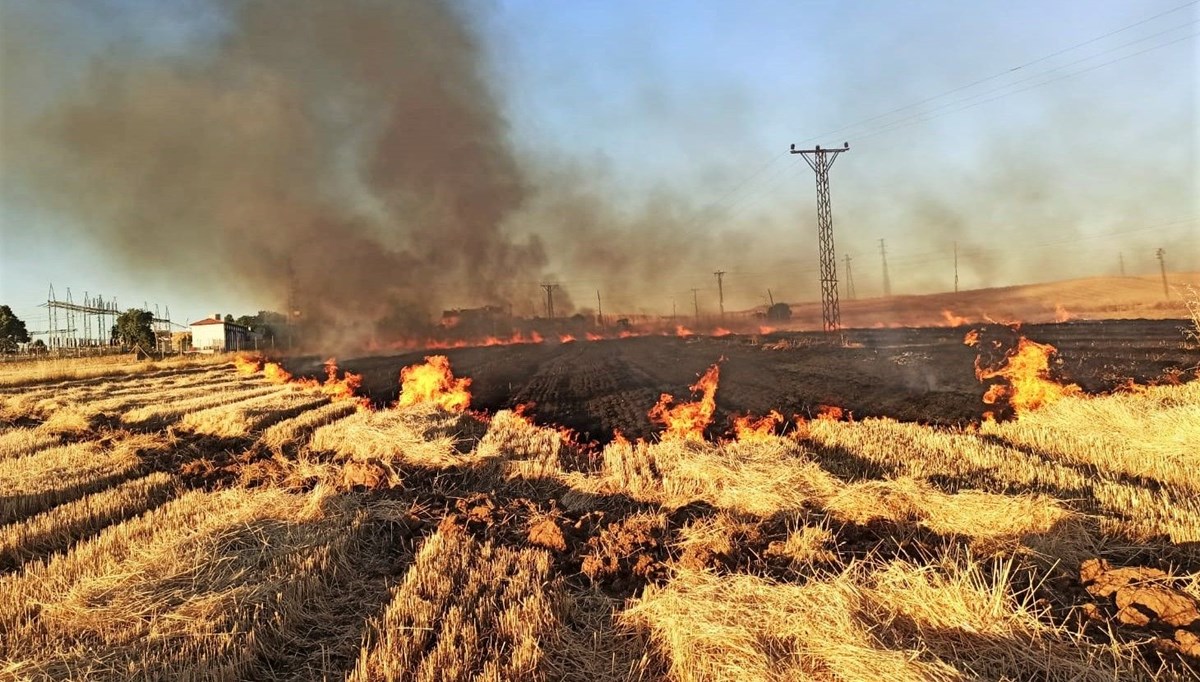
[(228, 521)]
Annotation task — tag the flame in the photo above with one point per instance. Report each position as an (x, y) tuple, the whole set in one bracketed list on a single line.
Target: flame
[(247, 365), (764, 329), (594, 337), (831, 413), (433, 382), (340, 389), (953, 320), (275, 373), (1061, 314), (682, 331), (1026, 373), (972, 338), (687, 421), (750, 428), (345, 388), (566, 338), (721, 331)]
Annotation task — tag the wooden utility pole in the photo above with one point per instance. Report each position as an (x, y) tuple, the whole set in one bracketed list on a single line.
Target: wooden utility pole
[(721, 291), (696, 304), (956, 267), (1162, 267), (599, 310), (887, 282), (849, 279), (821, 160), (549, 299)]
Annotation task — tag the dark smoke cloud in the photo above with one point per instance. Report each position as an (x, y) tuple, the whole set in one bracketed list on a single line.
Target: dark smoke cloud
[(361, 146), (355, 145)]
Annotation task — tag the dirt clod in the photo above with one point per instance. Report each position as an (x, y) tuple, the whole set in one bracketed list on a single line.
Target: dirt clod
[(546, 533), (1142, 597)]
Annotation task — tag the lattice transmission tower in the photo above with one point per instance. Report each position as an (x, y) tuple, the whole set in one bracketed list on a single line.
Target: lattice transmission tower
[(821, 160)]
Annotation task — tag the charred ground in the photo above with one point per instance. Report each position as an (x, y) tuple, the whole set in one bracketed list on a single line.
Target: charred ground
[(911, 374)]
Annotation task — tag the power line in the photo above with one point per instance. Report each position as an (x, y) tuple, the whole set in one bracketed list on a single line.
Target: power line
[(968, 104), (1010, 70), (873, 131)]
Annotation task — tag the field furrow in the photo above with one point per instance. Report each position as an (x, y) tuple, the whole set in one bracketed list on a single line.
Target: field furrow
[(34, 483), (172, 412), (465, 611), (265, 585), (61, 527)]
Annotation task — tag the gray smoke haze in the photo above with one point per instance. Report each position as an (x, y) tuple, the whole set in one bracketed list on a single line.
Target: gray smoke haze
[(358, 151), (355, 145)]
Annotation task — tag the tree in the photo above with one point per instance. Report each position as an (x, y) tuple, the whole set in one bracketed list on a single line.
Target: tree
[(133, 329), (12, 330), (267, 323)]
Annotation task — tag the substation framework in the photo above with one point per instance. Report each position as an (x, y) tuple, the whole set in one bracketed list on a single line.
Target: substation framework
[(821, 160), (87, 326)]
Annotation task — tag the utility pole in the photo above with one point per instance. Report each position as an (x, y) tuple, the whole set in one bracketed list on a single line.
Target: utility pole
[(696, 304), (1162, 267), (887, 283), (721, 291), (1121, 262), (956, 267), (672, 311), (821, 160), (771, 298), (599, 309), (549, 299), (849, 279)]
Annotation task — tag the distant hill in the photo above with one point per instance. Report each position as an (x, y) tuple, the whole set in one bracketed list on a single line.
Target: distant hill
[(1093, 298)]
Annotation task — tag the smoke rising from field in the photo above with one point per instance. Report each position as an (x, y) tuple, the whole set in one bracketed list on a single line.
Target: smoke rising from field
[(356, 146), (358, 153)]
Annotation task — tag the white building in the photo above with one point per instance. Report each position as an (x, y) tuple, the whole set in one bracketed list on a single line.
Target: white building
[(214, 335)]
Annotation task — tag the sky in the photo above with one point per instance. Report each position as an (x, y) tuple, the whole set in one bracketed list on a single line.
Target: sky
[(1047, 139)]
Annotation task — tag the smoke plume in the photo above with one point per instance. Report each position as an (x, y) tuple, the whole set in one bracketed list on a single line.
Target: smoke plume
[(351, 152)]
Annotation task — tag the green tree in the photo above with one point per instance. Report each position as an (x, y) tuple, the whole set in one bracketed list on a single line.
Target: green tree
[(12, 330), (133, 329)]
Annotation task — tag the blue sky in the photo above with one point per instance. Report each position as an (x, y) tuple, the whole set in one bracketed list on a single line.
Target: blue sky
[(695, 103)]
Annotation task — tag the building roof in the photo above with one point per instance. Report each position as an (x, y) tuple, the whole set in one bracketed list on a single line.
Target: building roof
[(217, 320)]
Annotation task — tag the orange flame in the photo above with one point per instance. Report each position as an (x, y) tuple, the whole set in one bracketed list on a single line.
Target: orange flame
[(594, 337), (1026, 371), (337, 389), (566, 338), (953, 320), (687, 421), (434, 383), (972, 338), (1061, 314), (764, 329), (682, 331), (831, 413), (721, 331), (340, 389), (749, 428), (247, 365)]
